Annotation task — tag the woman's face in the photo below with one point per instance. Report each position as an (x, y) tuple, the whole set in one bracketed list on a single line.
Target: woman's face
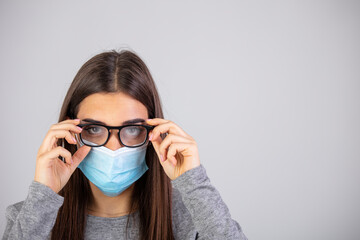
[(113, 109)]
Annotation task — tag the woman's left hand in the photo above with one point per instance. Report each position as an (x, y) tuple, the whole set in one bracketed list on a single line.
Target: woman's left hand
[(178, 152)]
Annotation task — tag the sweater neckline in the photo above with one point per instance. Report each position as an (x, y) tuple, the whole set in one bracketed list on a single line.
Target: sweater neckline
[(121, 218)]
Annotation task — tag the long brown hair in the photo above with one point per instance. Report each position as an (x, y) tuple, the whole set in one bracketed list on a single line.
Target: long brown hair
[(111, 72)]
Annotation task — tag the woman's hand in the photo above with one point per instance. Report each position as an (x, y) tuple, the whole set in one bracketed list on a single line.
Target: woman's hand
[(178, 151), (50, 170)]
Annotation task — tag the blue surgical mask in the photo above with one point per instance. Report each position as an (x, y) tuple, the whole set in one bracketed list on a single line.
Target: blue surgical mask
[(114, 171)]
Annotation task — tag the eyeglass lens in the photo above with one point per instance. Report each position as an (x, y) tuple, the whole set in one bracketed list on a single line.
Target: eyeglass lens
[(96, 135)]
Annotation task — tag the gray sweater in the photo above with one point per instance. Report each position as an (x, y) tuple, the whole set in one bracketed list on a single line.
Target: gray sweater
[(198, 213)]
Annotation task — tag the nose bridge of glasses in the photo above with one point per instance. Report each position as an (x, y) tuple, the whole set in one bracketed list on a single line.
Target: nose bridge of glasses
[(110, 143), (114, 131)]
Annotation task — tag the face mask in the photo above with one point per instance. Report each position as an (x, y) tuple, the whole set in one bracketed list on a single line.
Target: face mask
[(114, 171)]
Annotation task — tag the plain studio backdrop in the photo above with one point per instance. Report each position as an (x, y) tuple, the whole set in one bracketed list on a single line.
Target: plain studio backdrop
[(270, 90)]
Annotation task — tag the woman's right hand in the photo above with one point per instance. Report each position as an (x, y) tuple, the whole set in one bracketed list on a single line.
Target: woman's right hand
[(50, 170)]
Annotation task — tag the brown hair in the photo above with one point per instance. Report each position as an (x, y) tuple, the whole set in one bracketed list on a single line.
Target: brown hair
[(112, 72)]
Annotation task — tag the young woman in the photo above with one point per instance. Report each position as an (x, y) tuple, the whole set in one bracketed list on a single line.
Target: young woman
[(124, 172)]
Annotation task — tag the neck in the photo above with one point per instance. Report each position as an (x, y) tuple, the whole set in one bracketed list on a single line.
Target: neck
[(105, 206)]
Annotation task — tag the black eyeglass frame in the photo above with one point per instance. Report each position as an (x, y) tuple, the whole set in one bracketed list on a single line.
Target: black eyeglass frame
[(147, 127)]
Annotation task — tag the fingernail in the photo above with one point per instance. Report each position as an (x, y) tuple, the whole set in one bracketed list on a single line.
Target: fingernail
[(73, 139), (161, 158), (79, 128), (151, 135)]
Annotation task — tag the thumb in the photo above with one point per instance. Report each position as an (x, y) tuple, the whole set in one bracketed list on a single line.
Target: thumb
[(156, 144), (167, 165), (79, 155)]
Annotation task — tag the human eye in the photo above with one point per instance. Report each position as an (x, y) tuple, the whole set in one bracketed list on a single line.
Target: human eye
[(132, 130), (94, 130)]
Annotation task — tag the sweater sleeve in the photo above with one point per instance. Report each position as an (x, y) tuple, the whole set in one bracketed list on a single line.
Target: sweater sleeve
[(209, 213), (35, 217)]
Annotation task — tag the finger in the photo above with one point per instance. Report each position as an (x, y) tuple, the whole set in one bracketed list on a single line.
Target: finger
[(165, 164), (58, 134), (170, 155), (55, 153), (52, 137), (156, 144), (67, 126), (70, 125), (74, 121), (79, 155), (155, 121), (168, 127), (182, 148), (170, 139)]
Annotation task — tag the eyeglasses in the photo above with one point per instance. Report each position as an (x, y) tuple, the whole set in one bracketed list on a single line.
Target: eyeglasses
[(97, 135)]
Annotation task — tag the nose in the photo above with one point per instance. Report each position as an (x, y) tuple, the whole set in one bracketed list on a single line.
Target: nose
[(113, 142)]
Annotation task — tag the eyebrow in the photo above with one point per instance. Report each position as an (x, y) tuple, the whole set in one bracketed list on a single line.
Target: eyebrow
[(131, 121)]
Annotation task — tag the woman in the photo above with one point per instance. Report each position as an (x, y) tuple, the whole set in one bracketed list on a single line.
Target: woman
[(126, 173)]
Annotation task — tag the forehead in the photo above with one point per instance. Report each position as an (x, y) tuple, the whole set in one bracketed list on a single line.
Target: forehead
[(111, 108)]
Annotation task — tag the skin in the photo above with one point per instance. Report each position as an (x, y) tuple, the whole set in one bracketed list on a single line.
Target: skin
[(177, 153)]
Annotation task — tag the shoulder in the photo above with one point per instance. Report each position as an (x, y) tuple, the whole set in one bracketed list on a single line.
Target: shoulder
[(13, 210)]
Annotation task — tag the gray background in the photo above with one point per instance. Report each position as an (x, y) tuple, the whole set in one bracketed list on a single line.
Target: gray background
[(269, 89)]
